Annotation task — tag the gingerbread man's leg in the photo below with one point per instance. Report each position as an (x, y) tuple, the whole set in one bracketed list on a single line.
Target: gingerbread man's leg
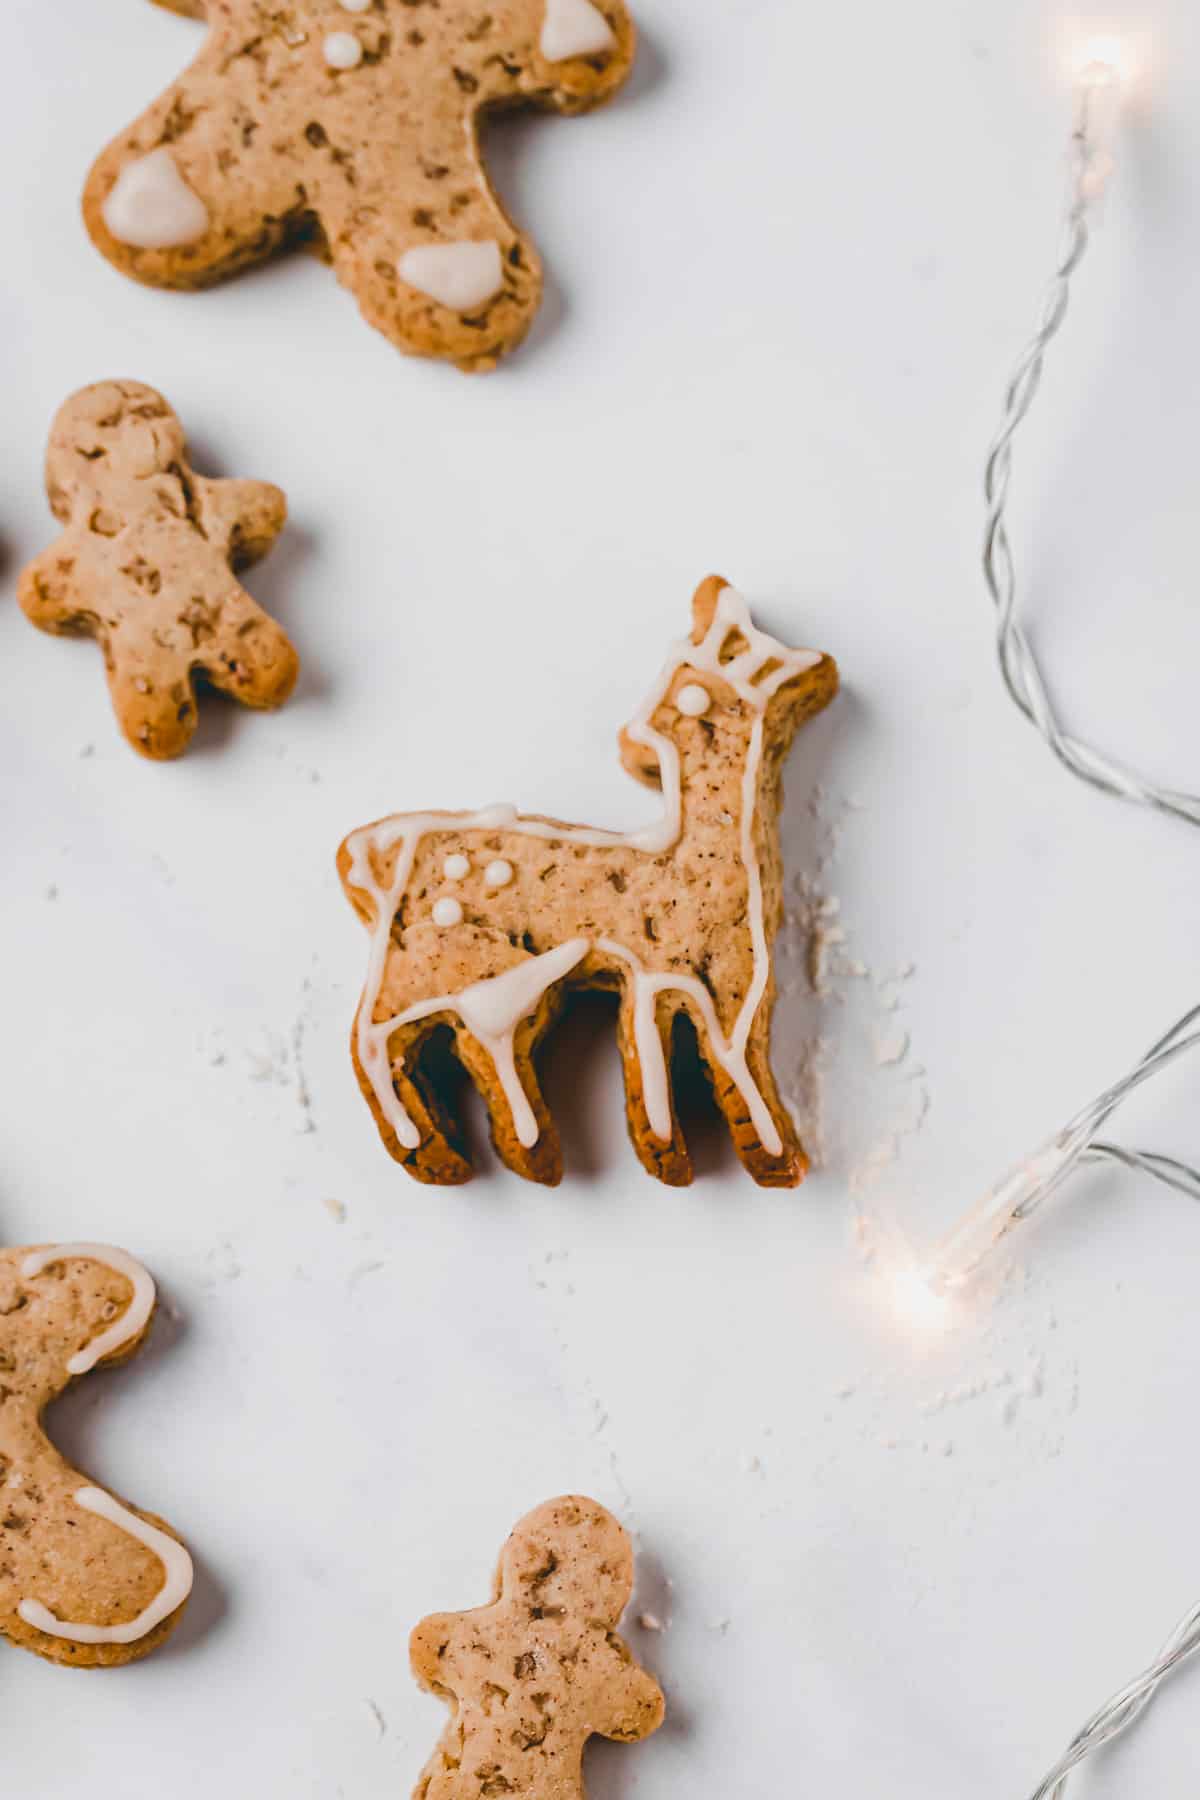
[(249, 657), (183, 198), (446, 275), (152, 694)]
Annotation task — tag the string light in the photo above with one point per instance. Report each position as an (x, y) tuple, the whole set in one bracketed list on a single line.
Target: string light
[(1101, 83), (1019, 1193)]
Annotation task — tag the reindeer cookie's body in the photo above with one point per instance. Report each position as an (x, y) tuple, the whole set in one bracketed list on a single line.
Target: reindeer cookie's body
[(483, 921)]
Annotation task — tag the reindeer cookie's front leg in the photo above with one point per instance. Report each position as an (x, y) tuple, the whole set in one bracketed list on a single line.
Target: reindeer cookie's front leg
[(193, 191), (414, 1122)]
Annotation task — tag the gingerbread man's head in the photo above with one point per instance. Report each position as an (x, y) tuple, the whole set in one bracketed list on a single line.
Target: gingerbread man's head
[(105, 436), (569, 1556)]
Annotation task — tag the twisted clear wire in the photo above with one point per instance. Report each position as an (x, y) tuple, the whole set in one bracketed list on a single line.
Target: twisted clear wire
[(1119, 1713), (1090, 163), (1081, 1130)]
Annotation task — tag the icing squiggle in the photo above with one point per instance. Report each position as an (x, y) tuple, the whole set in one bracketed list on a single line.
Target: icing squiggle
[(133, 1320), (151, 207), (178, 1575), (574, 28), (755, 673)]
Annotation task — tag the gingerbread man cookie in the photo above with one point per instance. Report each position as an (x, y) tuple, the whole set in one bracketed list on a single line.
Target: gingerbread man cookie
[(481, 922), (353, 126), (84, 1579), (146, 565), (531, 1677)]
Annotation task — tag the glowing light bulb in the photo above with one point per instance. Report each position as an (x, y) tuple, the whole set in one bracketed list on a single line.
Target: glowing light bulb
[(919, 1299), (1101, 62)]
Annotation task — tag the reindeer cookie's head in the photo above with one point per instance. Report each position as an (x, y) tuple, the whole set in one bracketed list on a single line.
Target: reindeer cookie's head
[(569, 1556), (103, 436), (726, 676)]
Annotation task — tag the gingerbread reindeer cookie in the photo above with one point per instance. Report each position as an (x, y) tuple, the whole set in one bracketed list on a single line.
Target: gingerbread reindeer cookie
[(146, 565), (84, 1579), (481, 922), (531, 1677), (353, 126)]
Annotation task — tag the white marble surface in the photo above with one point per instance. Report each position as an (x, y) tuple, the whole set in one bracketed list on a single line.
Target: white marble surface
[(788, 272)]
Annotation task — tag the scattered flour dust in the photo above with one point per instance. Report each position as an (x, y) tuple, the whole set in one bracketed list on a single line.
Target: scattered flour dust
[(983, 1386), (272, 1058), (856, 1089)]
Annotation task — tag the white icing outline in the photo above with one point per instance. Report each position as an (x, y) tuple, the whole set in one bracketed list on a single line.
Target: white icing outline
[(133, 1320), (744, 674), (178, 1575)]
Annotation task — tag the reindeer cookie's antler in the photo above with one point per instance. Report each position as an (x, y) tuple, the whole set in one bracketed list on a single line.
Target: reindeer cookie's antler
[(356, 127), (84, 1579), (146, 566)]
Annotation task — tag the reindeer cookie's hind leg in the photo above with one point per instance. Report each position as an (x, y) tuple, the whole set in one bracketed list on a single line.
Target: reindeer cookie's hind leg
[(438, 1158), (645, 1040), (785, 1167), (522, 1130)]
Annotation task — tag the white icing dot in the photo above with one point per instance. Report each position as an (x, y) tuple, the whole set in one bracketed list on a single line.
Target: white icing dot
[(460, 276), (447, 911), (151, 207), (499, 873), (457, 865), (574, 28), (343, 50), (693, 700), (356, 5)]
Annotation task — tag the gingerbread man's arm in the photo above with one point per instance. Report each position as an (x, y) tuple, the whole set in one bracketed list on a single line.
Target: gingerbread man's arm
[(50, 594), (628, 1702), (431, 1652), (245, 517), (184, 197)]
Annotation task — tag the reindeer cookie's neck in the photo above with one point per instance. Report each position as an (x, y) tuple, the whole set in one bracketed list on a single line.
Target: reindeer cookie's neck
[(755, 668)]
